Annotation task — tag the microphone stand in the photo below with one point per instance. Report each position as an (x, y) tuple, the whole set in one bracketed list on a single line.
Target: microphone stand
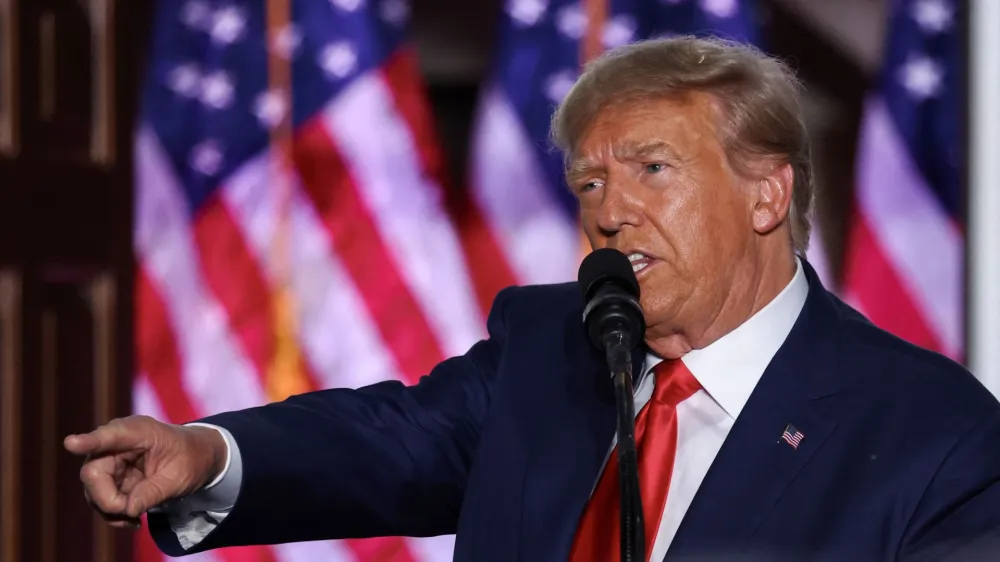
[(619, 356)]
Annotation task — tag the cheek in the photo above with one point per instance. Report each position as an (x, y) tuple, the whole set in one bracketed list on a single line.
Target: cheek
[(588, 221), (698, 223), (682, 216)]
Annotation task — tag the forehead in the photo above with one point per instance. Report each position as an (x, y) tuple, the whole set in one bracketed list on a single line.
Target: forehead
[(685, 123)]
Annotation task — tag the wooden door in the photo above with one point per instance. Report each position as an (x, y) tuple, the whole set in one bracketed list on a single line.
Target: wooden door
[(68, 88)]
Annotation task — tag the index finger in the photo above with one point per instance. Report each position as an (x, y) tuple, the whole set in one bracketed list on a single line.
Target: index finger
[(105, 439)]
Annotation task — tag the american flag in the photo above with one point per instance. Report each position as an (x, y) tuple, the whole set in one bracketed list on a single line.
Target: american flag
[(792, 436), (265, 271), (904, 258), (516, 179)]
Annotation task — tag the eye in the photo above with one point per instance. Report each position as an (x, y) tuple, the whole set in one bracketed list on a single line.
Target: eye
[(655, 168), (590, 186)]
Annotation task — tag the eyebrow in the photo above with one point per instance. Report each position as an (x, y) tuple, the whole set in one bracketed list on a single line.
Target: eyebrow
[(629, 150), (632, 150)]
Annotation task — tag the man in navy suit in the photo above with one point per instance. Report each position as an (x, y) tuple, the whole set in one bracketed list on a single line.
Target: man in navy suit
[(773, 421)]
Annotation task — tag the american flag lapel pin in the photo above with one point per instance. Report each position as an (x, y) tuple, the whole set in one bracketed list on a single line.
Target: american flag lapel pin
[(792, 436)]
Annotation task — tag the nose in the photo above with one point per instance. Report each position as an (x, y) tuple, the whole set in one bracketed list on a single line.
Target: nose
[(621, 205)]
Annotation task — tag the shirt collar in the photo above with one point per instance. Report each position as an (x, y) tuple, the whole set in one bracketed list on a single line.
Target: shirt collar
[(729, 368)]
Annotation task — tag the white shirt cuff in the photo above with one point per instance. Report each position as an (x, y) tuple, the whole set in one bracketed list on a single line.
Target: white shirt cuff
[(220, 494), (194, 516)]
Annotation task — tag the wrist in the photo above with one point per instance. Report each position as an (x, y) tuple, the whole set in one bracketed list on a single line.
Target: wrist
[(213, 452)]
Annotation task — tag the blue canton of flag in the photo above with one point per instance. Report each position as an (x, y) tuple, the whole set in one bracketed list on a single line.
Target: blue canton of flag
[(922, 85), (207, 97)]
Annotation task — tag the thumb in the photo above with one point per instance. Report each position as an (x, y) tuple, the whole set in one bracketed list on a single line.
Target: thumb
[(105, 439), (145, 495)]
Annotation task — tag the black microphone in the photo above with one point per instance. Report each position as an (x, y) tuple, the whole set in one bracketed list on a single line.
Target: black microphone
[(614, 323), (611, 298)]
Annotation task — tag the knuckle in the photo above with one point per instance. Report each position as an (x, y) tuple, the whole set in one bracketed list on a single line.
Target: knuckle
[(90, 473)]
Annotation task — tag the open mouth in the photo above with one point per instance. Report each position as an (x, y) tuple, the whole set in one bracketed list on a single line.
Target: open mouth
[(640, 262)]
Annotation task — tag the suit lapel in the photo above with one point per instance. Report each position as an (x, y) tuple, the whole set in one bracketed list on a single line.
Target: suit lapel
[(755, 466), (751, 472), (574, 433)]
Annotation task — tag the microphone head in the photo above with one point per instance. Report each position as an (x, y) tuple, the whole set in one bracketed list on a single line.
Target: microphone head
[(610, 298), (607, 265)]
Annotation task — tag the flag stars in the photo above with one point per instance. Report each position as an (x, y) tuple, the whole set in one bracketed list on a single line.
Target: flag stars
[(720, 8), (571, 22), (270, 108), (559, 84), (348, 5), (206, 157), (921, 76), (619, 31), (933, 16), (527, 12), (197, 15), (217, 90), (185, 80), (228, 25), (395, 12), (338, 60)]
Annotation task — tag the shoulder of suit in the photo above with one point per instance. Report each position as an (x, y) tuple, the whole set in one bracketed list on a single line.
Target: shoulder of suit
[(910, 373), (554, 294), (538, 303)]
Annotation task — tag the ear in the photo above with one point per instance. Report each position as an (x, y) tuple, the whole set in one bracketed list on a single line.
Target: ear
[(772, 199)]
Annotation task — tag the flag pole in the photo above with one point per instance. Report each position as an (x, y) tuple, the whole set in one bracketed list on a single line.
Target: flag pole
[(284, 376), (983, 253), (592, 46)]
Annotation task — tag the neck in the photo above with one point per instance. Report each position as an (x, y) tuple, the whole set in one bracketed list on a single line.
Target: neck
[(752, 289)]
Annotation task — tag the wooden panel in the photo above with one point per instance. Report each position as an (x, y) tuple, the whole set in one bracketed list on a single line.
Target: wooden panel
[(103, 121), (60, 42), (70, 342), (9, 77), (61, 343), (69, 82), (65, 397), (101, 300), (10, 415)]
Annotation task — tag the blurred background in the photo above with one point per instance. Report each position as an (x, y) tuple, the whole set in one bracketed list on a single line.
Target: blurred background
[(211, 204)]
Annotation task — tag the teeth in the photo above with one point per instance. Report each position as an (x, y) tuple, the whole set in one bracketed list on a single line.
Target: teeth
[(639, 267), (635, 257)]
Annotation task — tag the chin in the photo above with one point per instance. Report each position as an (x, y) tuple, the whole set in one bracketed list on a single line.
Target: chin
[(669, 347)]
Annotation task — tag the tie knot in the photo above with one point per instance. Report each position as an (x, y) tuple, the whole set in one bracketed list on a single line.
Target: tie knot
[(674, 382)]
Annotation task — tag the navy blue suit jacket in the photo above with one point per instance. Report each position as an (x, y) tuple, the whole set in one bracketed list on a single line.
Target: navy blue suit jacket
[(900, 460)]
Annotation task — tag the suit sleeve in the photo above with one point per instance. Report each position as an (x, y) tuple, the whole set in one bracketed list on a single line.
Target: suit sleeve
[(381, 460), (958, 517)]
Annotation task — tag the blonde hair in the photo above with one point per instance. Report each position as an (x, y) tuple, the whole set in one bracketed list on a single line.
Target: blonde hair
[(758, 98)]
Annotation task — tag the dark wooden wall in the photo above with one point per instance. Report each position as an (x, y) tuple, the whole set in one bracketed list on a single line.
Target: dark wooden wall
[(68, 86)]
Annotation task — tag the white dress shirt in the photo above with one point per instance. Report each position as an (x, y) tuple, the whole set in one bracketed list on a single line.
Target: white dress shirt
[(728, 371)]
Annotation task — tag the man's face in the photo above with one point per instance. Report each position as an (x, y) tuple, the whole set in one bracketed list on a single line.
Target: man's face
[(653, 182)]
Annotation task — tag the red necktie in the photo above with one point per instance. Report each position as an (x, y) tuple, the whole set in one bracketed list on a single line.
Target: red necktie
[(656, 443)]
